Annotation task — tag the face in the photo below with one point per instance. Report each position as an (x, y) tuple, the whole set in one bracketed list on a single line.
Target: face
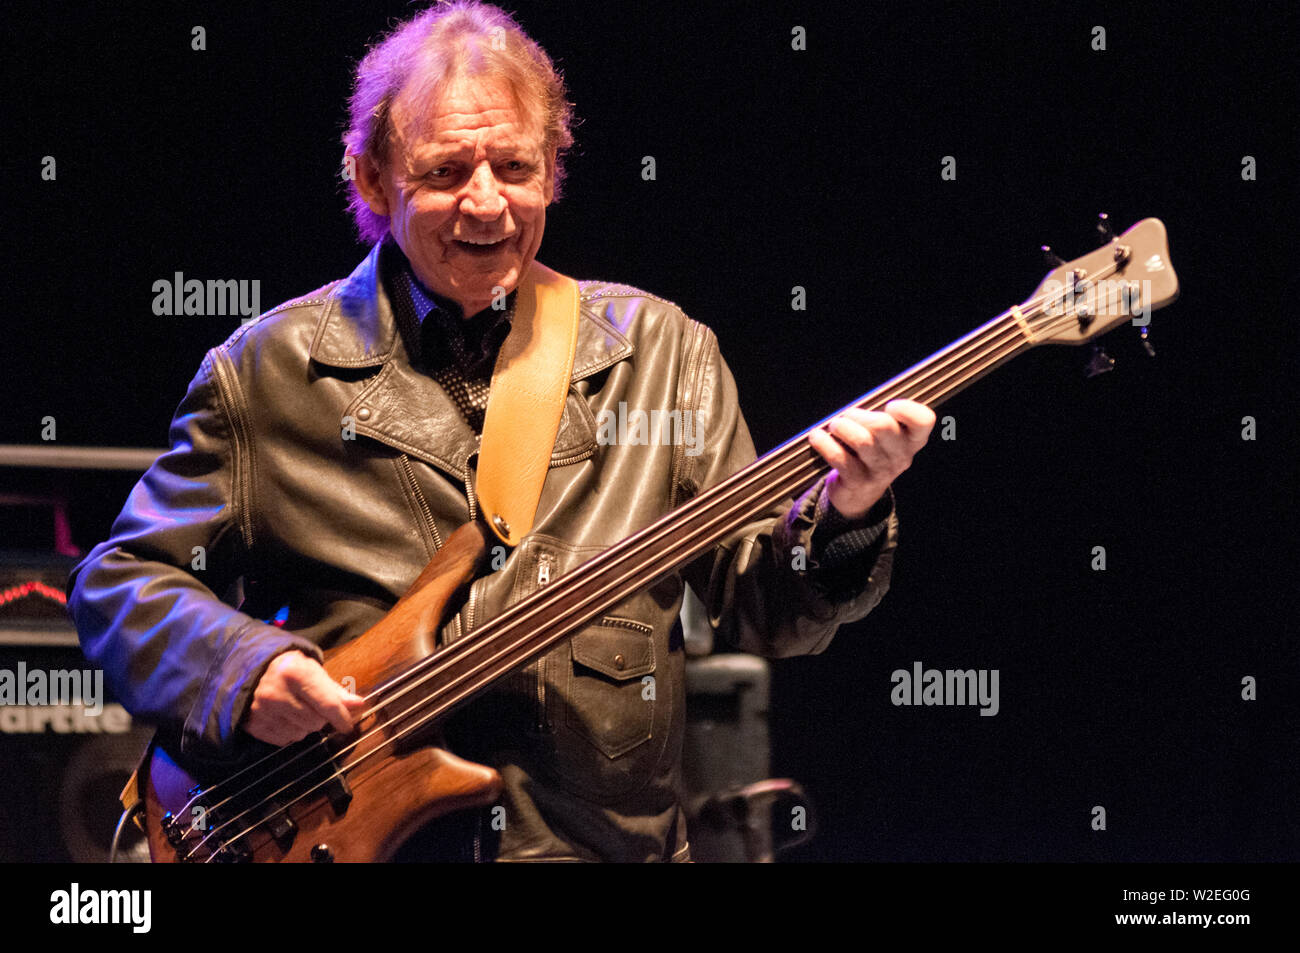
[(465, 189)]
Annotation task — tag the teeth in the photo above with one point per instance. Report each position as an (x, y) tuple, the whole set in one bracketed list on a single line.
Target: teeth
[(485, 241)]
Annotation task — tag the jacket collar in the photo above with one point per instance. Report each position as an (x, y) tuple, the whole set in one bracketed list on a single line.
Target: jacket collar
[(404, 407), (357, 327)]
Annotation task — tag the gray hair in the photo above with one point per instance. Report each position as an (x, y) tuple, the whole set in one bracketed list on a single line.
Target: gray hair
[(450, 39)]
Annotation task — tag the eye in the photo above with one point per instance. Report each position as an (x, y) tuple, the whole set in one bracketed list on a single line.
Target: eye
[(445, 176)]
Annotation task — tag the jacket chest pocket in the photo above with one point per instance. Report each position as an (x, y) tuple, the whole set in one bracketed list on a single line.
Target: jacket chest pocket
[(607, 728), (598, 726), (611, 691)]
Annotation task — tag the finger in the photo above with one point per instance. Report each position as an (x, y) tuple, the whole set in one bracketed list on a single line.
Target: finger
[(877, 421), (839, 456), (875, 439), (345, 694), (323, 695), (916, 419), (274, 701)]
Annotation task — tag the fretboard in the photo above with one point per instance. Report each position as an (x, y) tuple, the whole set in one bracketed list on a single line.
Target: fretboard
[(532, 626)]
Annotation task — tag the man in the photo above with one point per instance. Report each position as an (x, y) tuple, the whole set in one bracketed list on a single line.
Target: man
[(324, 452)]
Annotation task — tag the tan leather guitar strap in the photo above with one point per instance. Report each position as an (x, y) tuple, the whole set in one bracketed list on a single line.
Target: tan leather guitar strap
[(529, 386)]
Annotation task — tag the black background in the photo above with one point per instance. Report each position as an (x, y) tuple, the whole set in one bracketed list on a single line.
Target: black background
[(818, 168)]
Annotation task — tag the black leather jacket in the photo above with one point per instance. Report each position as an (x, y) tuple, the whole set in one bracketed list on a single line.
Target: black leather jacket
[(263, 485)]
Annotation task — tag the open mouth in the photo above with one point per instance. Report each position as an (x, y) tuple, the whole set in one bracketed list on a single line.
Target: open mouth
[(481, 248)]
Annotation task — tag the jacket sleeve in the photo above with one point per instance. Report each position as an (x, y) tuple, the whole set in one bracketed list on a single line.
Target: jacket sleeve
[(783, 584), (145, 601)]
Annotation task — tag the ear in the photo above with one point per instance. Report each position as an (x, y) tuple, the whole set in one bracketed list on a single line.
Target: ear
[(370, 183)]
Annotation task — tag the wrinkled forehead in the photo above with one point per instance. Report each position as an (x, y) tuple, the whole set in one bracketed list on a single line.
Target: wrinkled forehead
[(429, 110)]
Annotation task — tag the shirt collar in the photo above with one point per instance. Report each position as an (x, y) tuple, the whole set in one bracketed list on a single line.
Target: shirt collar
[(421, 297)]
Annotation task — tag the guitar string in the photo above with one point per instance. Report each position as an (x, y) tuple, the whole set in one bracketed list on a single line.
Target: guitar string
[(973, 342), (590, 569), (599, 594), (813, 468), (774, 460), (782, 456), (808, 466)]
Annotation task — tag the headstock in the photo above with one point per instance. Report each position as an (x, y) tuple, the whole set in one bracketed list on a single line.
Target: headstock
[(1123, 281)]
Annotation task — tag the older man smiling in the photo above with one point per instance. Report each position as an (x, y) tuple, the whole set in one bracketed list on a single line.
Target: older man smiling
[(327, 450)]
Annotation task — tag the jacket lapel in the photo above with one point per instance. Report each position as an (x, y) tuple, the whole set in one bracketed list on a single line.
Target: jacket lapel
[(407, 409)]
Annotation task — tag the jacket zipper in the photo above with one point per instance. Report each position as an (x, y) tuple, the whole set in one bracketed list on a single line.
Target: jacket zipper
[(464, 630), (544, 562), (469, 491), (425, 512), (575, 458)]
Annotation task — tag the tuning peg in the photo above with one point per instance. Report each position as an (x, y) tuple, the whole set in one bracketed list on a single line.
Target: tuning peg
[(1052, 258), (1099, 363), (1103, 226), (1151, 352)]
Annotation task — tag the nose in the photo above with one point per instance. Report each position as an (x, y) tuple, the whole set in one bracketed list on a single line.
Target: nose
[(482, 197)]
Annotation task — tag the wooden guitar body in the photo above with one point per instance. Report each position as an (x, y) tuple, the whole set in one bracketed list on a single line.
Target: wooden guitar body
[(391, 789)]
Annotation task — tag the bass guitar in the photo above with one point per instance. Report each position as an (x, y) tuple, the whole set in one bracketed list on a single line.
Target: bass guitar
[(358, 796)]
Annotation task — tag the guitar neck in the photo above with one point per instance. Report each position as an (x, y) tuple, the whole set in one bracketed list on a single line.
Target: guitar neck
[(1077, 301), (532, 626)]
